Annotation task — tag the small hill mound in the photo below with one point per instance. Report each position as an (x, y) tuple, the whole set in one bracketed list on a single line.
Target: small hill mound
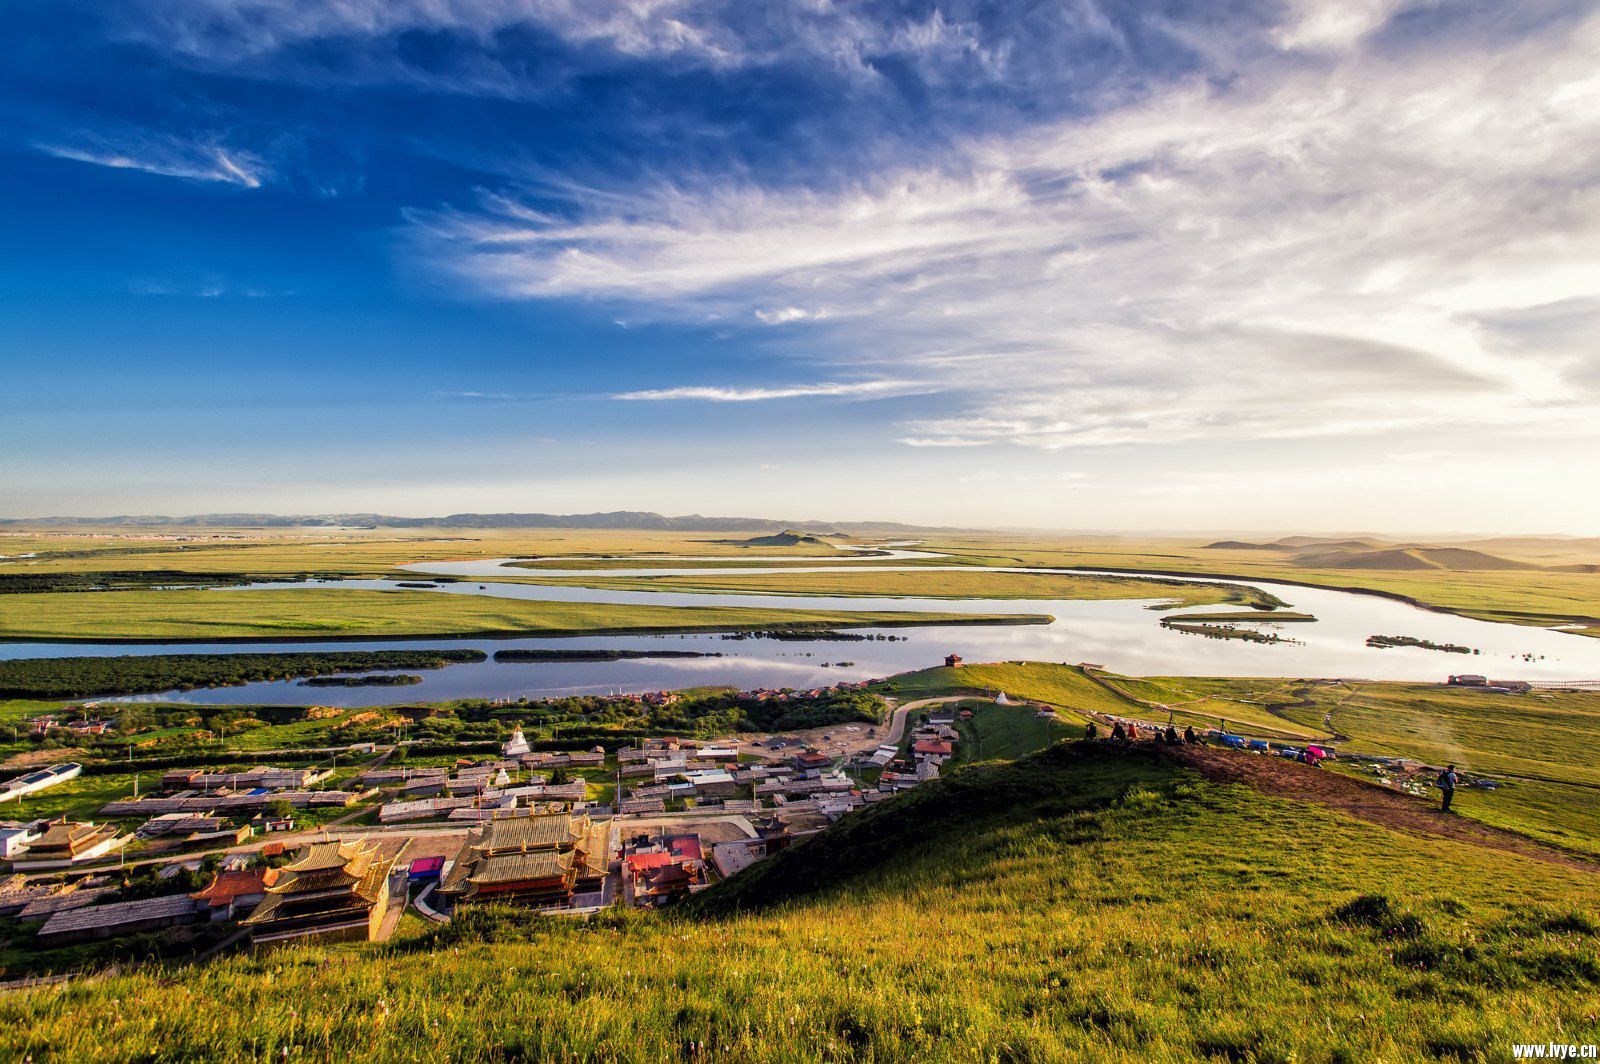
[(787, 538), (1239, 544)]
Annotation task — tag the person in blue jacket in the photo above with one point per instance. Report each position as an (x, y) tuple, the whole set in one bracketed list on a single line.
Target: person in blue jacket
[(1447, 786)]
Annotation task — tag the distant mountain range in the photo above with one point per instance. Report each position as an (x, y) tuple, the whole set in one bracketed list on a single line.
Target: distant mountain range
[(620, 519)]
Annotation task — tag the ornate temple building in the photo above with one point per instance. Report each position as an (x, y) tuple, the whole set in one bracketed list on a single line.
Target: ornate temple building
[(544, 861), (332, 890)]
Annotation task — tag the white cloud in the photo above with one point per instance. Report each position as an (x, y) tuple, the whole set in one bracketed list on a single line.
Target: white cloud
[(1356, 246), (855, 389), (785, 315), (166, 156)]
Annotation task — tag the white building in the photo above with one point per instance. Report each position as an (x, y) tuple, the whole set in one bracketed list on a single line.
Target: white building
[(516, 746), (38, 780)]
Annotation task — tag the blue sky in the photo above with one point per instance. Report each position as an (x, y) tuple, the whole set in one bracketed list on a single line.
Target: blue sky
[(1083, 264)]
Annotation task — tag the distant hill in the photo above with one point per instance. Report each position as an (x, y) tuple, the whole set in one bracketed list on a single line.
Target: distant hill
[(1237, 544), (1455, 559), (639, 520)]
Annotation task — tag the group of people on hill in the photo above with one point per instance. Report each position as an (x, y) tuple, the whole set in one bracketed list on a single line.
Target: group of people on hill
[(1128, 732)]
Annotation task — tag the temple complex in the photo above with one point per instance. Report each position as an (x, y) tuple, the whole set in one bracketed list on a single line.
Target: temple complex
[(333, 890), (542, 861)]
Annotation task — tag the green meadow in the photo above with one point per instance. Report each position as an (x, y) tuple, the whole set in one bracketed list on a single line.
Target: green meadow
[(938, 584), (312, 613)]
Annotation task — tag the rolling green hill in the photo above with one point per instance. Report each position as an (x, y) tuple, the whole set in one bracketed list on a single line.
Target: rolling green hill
[(1081, 904)]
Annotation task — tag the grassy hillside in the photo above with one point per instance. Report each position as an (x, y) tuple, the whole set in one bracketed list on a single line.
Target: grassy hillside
[(316, 612), (1057, 685), (1546, 743), (1077, 905)]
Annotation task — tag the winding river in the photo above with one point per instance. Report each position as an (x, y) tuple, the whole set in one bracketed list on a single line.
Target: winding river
[(1123, 635)]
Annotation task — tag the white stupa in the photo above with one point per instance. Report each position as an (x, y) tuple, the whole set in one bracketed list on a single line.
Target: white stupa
[(1001, 699), (502, 780), (516, 746)]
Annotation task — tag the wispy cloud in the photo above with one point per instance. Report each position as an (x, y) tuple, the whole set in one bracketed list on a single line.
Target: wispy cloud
[(166, 156), (1356, 245), (831, 389)]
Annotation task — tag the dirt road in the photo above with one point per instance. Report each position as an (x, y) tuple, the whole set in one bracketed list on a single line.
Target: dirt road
[(1359, 799)]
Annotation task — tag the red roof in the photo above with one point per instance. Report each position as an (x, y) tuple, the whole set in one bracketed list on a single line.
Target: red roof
[(230, 885), (685, 847), (424, 865), (931, 746), (638, 862)]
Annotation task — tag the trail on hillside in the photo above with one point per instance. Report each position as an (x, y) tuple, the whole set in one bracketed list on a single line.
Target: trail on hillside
[(1362, 800)]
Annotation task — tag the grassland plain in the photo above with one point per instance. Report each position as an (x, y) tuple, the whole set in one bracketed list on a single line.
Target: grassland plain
[(1535, 597), (1076, 905), (314, 613), (349, 553), (937, 584), (1543, 597)]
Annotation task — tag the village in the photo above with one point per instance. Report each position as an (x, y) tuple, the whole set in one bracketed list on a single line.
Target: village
[(216, 858), (211, 859)]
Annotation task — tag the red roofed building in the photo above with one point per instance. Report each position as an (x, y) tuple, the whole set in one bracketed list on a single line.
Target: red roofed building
[(233, 894), (931, 748), (660, 870), (812, 760)]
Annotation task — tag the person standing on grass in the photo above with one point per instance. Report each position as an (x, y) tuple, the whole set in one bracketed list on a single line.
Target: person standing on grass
[(1117, 732), (1447, 786), (1091, 731)]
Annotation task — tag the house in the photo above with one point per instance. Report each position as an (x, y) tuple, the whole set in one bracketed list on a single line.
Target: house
[(89, 727), (931, 748), (332, 890), (811, 761), (1515, 687), (952, 660), (119, 918), (663, 869), (425, 869), (540, 860), (715, 784), (72, 843), (232, 894), (183, 824), (14, 838), (38, 780), (1468, 679)]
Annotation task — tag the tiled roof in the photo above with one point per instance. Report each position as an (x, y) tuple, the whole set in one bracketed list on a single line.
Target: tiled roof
[(122, 912), (509, 868), (529, 833), (230, 885)]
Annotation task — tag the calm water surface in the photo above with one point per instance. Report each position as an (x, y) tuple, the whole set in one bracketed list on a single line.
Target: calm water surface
[(1123, 635)]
